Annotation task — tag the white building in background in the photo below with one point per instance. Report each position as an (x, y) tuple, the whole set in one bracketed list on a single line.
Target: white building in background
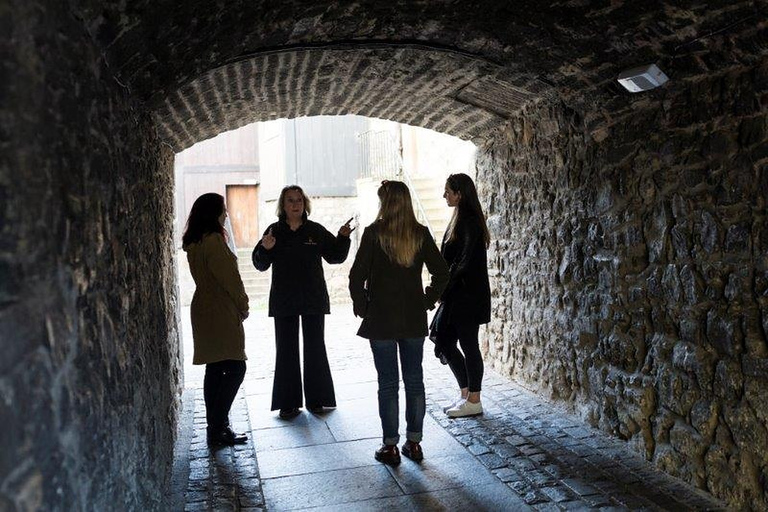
[(227, 164), (338, 160)]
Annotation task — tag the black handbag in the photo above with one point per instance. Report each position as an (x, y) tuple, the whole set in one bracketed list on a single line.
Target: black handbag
[(441, 332)]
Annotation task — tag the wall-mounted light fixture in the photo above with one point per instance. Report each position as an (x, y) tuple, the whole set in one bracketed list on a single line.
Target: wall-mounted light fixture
[(642, 78)]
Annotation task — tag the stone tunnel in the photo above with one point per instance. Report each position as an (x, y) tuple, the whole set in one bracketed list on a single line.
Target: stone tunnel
[(629, 255)]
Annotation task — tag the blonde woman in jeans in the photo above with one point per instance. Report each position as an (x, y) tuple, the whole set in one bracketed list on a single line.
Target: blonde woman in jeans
[(387, 292)]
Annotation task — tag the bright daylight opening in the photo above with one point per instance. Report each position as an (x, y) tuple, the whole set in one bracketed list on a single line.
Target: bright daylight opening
[(339, 161)]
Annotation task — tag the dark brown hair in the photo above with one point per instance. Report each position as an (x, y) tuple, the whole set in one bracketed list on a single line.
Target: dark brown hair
[(204, 218), (469, 208)]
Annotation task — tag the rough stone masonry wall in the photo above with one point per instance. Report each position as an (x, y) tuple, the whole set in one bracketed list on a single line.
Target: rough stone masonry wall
[(89, 367), (629, 256)]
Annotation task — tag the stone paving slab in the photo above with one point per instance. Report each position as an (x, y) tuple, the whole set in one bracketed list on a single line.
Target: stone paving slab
[(316, 459), (304, 433), (522, 454), (328, 488), (438, 473), (486, 497)]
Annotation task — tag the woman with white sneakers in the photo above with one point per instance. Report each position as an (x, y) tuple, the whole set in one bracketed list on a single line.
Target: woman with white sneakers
[(466, 301)]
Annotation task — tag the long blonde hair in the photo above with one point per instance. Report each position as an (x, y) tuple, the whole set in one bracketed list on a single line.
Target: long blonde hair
[(398, 228)]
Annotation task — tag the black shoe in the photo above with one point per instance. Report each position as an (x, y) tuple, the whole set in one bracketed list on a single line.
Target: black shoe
[(288, 414), (226, 437), (317, 409)]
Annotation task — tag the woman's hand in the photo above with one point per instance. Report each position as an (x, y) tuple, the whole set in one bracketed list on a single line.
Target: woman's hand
[(268, 241), (359, 310), (345, 230)]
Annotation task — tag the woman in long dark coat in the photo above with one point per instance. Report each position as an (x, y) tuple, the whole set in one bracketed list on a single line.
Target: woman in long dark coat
[(387, 292), (466, 301), (294, 247)]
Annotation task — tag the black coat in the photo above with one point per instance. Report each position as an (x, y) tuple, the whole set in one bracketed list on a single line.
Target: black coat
[(467, 297), (298, 283), (391, 298)]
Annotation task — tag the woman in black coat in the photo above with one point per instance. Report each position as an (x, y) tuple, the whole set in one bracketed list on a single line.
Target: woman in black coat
[(387, 292), (294, 247), (466, 301)]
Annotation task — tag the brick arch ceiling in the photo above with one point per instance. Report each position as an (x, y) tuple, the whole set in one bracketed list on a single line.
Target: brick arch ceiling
[(194, 63), (445, 91)]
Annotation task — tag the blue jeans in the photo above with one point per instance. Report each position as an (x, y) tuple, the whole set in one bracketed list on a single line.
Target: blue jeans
[(385, 359)]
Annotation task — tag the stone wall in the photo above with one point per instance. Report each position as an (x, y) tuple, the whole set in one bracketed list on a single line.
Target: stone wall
[(630, 269), (90, 370), (630, 234)]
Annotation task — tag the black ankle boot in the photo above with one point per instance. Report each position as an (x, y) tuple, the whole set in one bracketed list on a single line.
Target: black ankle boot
[(226, 437)]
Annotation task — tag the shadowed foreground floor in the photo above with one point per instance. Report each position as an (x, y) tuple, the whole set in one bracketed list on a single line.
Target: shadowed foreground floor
[(522, 454)]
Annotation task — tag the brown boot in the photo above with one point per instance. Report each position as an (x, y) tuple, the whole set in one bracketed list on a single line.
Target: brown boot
[(388, 454), (413, 451)]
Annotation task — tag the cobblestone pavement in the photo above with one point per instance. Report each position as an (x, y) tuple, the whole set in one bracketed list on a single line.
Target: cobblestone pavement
[(522, 454)]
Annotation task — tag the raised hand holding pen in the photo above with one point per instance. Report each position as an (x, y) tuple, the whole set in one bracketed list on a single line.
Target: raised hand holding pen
[(268, 241), (345, 230)]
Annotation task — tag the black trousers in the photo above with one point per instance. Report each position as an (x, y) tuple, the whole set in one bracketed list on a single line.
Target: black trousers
[(467, 367), (222, 380), (318, 383)]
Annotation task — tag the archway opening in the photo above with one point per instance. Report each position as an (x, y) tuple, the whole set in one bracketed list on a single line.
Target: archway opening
[(338, 160), (630, 231)]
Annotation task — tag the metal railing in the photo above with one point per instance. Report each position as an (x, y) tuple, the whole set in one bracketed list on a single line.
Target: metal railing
[(381, 158), (421, 213), (379, 155)]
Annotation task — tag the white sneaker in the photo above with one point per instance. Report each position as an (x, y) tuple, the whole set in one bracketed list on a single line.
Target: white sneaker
[(453, 404), (464, 409)]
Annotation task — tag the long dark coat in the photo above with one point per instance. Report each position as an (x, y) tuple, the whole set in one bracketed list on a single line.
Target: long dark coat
[(391, 298), (298, 282)]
